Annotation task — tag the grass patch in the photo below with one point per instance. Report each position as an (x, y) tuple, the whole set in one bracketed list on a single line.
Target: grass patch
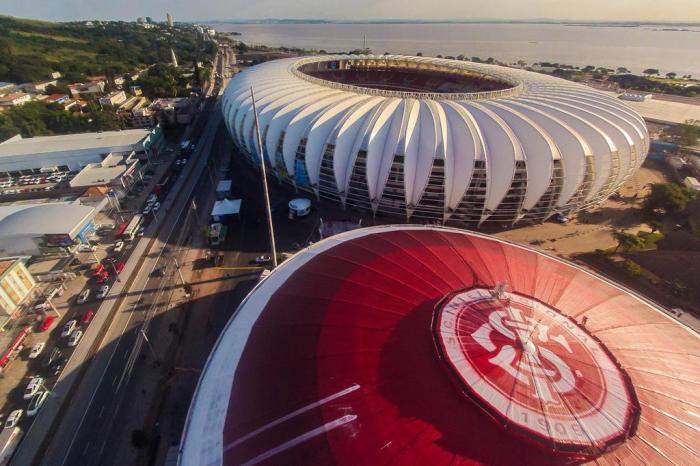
[(53, 37)]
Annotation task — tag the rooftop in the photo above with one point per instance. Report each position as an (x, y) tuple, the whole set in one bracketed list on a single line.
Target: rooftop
[(41, 219), (663, 111), (71, 142)]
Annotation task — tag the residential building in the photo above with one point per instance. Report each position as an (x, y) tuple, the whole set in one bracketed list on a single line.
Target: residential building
[(40, 87), (57, 98), (16, 285), (55, 75), (178, 110), (113, 99), (169, 17), (74, 151), (691, 183), (96, 87), (15, 99), (7, 88), (143, 118)]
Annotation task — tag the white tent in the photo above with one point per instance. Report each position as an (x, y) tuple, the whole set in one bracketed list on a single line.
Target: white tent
[(226, 207)]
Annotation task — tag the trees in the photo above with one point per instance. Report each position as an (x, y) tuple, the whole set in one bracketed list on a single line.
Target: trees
[(671, 75), (672, 197), (627, 241), (686, 134), (650, 72), (622, 70)]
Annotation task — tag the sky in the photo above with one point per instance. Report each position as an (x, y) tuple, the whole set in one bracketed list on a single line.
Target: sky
[(189, 10)]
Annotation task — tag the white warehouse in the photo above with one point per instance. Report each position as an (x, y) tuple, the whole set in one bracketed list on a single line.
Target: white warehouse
[(434, 139)]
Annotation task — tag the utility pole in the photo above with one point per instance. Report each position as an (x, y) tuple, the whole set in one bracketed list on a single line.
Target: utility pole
[(264, 181), (148, 342), (179, 272)]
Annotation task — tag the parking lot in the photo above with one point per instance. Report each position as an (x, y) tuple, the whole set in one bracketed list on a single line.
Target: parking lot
[(36, 181), (91, 268)]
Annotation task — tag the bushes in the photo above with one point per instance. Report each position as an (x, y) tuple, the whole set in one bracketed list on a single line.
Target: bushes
[(630, 267)]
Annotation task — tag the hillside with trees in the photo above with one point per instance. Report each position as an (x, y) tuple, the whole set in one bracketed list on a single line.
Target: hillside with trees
[(30, 50)]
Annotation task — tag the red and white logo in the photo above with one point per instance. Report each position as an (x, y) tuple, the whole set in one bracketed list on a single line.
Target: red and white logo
[(535, 368)]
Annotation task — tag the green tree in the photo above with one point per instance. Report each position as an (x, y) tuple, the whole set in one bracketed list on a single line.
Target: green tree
[(622, 70), (627, 241), (671, 75), (651, 71), (671, 197)]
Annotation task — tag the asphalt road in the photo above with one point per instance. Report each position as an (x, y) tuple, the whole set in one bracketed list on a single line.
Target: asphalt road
[(88, 443)]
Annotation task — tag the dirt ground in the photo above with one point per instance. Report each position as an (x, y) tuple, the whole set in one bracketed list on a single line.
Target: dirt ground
[(593, 230)]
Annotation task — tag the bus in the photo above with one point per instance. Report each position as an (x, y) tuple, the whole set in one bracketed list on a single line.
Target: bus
[(133, 227)]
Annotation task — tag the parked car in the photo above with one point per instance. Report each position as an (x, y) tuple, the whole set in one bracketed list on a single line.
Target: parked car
[(52, 357), (75, 337), (263, 259), (151, 198), (83, 297), (102, 277), (87, 317), (141, 231), (156, 207), (33, 387), (46, 323), (57, 366), (13, 418), (119, 267), (104, 289), (147, 209), (86, 248), (118, 246), (68, 328), (36, 350), (37, 402)]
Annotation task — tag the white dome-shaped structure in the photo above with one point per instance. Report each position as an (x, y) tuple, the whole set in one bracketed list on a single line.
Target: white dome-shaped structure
[(436, 139)]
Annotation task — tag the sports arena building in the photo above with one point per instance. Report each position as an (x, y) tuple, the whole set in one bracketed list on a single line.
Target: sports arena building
[(424, 345), (429, 139)]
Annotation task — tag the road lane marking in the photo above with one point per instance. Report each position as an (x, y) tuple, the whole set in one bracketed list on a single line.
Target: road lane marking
[(87, 445), (102, 409)]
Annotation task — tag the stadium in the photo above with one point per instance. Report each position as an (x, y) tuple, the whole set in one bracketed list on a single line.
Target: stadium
[(433, 140), (432, 345)]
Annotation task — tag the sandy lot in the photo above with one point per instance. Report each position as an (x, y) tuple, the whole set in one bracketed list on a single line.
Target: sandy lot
[(593, 230)]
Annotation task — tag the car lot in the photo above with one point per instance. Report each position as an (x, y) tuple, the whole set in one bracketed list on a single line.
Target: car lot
[(78, 304)]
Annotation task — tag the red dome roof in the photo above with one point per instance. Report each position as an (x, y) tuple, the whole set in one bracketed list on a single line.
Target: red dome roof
[(419, 345)]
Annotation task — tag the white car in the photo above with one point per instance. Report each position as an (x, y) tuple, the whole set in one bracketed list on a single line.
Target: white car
[(13, 418), (156, 207), (37, 402), (75, 337), (104, 289), (86, 248), (82, 297), (68, 328), (141, 231), (263, 259), (36, 350), (118, 246), (153, 197), (147, 209), (33, 387)]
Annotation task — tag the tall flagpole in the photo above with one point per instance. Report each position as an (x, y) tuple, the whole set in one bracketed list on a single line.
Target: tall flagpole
[(264, 181)]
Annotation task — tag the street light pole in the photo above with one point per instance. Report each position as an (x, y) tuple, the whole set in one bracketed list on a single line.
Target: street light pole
[(148, 342), (264, 181)]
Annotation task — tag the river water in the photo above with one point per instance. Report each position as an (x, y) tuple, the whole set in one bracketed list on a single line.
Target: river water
[(635, 48)]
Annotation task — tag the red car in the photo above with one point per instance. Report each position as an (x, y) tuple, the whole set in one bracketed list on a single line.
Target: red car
[(87, 317), (119, 267), (46, 323), (101, 278)]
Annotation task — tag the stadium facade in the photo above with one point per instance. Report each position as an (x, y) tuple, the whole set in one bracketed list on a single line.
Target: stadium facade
[(435, 139), (428, 345)]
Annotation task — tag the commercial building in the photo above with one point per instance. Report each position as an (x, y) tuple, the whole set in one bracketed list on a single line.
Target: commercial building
[(117, 171), (420, 345), (113, 99), (16, 285), (39, 87), (15, 99), (429, 139), (74, 151), (30, 229)]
